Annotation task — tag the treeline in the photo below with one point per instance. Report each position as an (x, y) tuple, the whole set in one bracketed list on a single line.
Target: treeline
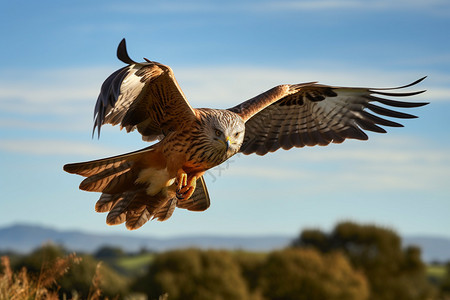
[(350, 262)]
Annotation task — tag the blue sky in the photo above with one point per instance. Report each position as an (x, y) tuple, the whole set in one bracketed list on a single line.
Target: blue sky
[(54, 55)]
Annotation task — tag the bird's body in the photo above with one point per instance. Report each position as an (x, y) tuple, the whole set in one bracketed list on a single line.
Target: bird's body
[(150, 183), (192, 151)]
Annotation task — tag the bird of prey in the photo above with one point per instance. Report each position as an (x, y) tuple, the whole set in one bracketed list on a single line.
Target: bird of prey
[(150, 183)]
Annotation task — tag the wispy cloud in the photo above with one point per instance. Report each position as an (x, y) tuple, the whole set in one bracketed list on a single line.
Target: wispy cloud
[(47, 125), (56, 147), (232, 84), (52, 85), (45, 99), (71, 93), (271, 6), (356, 4), (383, 149), (388, 164)]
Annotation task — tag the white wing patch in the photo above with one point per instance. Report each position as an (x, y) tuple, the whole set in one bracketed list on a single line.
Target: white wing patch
[(130, 89)]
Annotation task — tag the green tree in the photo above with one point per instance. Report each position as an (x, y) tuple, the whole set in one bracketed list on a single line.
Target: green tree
[(308, 274), (109, 252), (393, 272), (194, 274), (251, 265)]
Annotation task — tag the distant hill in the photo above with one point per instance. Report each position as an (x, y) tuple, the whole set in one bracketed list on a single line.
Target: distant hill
[(433, 248), (24, 238)]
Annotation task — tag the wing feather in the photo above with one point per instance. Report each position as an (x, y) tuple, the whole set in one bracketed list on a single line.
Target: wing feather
[(143, 96), (314, 114)]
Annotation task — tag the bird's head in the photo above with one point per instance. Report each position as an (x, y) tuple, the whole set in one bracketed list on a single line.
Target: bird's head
[(226, 131)]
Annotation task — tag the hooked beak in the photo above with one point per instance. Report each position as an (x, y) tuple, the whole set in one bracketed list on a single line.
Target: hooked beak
[(227, 142)]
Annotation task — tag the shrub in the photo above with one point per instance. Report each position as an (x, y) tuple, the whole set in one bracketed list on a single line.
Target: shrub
[(194, 274), (307, 274), (393, 273)]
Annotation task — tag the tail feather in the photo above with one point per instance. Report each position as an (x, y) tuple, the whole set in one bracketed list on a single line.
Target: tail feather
[(166, 211), (117, 215), (142, 208), (137, 207), (107, 202), (137, 217), (124, 198)]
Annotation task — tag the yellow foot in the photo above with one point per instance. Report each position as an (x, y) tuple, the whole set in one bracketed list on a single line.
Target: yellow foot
[(186, 191), (181, 179)]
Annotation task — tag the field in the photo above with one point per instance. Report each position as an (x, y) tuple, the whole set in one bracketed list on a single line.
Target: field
[(435, 273), (132, 265)]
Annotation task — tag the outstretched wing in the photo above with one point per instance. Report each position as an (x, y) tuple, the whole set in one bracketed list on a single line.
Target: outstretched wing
[(313, 114), (143, 96)]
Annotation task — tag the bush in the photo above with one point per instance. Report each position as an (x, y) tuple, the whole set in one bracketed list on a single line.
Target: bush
[(393, 273), (194, 274), (307, 274)]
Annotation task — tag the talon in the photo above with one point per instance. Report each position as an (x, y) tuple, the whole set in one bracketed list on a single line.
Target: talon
[(186, 191), (179, 196), (181, 179)]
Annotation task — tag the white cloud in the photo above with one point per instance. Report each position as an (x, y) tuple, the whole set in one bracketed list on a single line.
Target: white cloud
[(356, 4), (233, 84), (65, 86), (47, 125), (56, 147), (384, 164), (256, 171), (50, 92), (381, 149), (50, 95), (271, 6)]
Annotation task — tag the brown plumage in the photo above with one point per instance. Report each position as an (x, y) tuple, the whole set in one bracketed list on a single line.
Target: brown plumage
[(150, 183)]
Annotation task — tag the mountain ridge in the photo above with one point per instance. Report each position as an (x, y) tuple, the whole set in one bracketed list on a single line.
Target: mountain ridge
[(24, 238)]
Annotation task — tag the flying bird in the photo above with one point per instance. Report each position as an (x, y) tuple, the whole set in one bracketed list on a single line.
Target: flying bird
[(150, 183)]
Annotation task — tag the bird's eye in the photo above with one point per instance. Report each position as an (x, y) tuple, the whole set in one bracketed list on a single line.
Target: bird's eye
[(236, 134), (218, 132)]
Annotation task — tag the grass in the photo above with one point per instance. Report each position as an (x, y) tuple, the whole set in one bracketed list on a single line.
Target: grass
[(436, 273), (22, 285), (134, 265)]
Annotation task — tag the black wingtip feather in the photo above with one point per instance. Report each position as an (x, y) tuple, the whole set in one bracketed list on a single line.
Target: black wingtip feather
[(403, 86), (397, 94), (388, 112), (122, 53)]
